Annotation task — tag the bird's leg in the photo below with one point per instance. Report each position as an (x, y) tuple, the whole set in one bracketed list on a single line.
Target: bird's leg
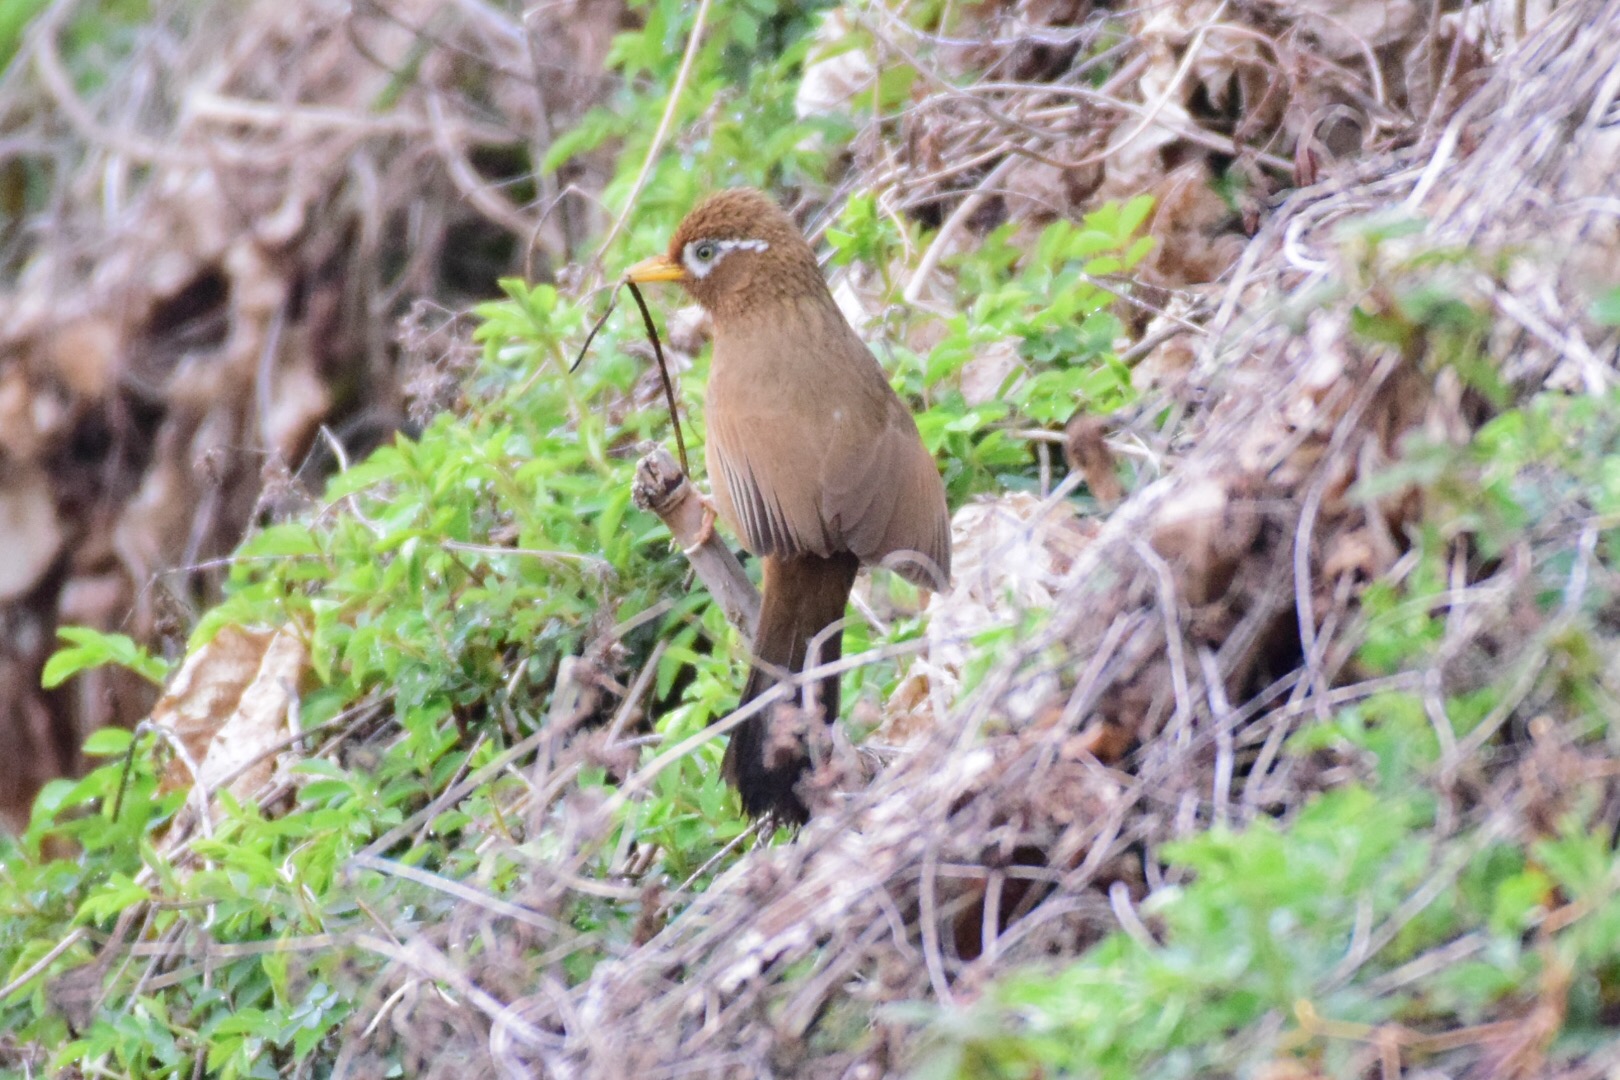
[(706, 530)]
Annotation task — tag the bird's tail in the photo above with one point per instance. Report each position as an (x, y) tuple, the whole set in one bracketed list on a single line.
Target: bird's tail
[(801, 597)]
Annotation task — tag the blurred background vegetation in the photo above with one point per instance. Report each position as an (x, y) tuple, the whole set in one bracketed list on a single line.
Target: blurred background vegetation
[(288, 428)]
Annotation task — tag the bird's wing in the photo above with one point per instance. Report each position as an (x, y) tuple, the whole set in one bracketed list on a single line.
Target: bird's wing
[(882, 498), (811, 452), (757, 467)]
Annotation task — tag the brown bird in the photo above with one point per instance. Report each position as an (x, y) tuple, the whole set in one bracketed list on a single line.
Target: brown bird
[(815, 462)]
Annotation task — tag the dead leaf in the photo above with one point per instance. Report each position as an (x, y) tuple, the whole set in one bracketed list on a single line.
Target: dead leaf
[(298, 404), (984, 376), (834, 73), (30, 534), (1010, 553), (84, 355), (233, 701), (1085, 449), (1202, 535)]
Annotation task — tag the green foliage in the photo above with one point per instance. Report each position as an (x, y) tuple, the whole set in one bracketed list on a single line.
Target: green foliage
[(1606, 308), (1049, 304), (1246, 962), (89, 648), (1056, 311), (89, 40), (446, 579), (14, 20), (1263, 925), (736, 121), (92, 36)]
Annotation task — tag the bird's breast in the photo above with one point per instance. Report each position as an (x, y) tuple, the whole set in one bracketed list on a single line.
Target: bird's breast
[(797, 363)]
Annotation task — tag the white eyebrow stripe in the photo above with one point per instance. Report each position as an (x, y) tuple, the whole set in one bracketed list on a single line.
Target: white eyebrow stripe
[(722, 249)]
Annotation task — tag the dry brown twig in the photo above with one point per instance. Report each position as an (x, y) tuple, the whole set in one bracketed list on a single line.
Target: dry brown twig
[(662, 488), (1159, 625), (1262, 439)]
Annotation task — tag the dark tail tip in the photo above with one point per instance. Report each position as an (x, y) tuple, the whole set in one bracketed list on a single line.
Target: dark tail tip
[(765, 789), (803, 601)]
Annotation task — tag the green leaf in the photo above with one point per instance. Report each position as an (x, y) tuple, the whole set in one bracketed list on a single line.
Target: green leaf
[(92, 649), (1606, 308), (108, 742), (1133, 214), (119, 892), (1377, 227)]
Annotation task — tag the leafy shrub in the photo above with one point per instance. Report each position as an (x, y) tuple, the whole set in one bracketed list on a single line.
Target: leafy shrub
[(442, 584), (1470, 874)]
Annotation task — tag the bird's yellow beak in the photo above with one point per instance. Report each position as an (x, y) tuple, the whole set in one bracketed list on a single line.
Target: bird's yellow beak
[(657, 268)]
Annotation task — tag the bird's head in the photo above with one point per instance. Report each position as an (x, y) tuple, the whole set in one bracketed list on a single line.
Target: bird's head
[(736, 250)]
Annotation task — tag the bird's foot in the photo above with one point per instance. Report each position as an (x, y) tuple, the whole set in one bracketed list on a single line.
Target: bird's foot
[(706, 530)]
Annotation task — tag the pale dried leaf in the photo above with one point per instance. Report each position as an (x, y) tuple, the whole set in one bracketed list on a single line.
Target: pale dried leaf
[(983, 377), (30, 534), (834, 73), (229, 705)]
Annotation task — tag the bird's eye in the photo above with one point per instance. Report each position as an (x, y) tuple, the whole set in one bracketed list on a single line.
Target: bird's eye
[(705, 251)]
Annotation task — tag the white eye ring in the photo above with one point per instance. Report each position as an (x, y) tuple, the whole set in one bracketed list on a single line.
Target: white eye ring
[(701, 256)]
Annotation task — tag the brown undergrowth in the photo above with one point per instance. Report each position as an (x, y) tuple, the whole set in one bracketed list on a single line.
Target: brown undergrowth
[(1209, 617), (1154, 662), (242, 211)]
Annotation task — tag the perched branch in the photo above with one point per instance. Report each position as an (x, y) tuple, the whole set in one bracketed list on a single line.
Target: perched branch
[(662, 488)]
